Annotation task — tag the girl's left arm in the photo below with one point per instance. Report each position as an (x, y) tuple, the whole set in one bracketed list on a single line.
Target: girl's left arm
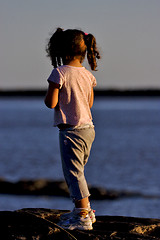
[(51, 98), (92, 98)]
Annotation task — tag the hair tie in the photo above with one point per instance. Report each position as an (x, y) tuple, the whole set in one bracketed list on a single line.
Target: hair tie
[(86, 34)]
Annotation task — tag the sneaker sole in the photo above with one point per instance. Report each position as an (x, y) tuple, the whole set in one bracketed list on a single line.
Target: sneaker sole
[(77, 227)]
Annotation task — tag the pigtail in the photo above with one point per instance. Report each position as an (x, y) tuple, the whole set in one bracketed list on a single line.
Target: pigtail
[(63, 46), (92, 51), (53, 48)]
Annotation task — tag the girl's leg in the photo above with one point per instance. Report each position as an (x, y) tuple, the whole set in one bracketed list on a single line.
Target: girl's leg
[(75, 148), (83, 203)]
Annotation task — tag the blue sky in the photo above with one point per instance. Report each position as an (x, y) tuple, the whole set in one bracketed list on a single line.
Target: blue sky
[(127, 33)]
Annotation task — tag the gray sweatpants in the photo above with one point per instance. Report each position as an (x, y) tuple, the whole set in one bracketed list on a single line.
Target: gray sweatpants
[(75, 146)]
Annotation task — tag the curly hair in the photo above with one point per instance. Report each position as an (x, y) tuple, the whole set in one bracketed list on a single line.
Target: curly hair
[(65, 45)]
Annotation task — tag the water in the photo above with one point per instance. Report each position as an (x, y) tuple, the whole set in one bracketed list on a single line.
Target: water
[(125, 154)]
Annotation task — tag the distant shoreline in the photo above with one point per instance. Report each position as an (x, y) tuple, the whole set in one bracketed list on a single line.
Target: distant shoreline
[(98, 93)]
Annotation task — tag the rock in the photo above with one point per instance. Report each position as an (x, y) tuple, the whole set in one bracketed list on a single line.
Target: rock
[(59, 188), (37, 224), (34, 187)]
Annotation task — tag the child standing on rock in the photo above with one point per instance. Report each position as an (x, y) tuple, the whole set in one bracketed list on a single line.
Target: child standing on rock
[(70, 92)]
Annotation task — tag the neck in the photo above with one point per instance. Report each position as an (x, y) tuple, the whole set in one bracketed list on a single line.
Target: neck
[(75, 63)]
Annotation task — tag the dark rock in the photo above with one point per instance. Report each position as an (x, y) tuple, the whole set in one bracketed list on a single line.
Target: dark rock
[(41, 224), (59, 188), (35, 187)]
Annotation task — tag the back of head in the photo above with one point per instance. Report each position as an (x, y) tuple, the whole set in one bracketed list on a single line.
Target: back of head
[(65, 45)]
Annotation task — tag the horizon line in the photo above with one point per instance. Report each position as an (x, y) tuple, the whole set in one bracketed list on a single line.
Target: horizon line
[(98, 92)]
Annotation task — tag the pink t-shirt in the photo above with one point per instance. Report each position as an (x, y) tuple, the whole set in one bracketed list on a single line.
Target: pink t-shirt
[(74, 95)]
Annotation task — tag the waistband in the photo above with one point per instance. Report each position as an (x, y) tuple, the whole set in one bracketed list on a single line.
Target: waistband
[(63, 127)]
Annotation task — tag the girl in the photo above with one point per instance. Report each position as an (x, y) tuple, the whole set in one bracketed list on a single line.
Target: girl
[(70, 92)]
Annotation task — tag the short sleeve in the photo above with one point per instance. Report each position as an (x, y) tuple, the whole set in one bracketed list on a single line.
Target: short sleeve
[(56, 77), (94, 82)]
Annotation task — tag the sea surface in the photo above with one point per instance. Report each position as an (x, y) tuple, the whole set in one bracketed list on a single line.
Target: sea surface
[(125, 155)]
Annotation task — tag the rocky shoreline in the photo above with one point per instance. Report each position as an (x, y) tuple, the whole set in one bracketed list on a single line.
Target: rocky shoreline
[(41, 224), (59, 188)]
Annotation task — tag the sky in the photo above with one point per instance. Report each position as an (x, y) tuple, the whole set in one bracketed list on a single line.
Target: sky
[(127, 34)]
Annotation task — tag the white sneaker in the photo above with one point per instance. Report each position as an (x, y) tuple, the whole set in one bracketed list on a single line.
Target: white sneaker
[(66, 216), (78, 220)]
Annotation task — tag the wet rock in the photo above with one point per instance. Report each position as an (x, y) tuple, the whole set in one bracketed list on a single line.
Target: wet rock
[(59, 188), (34, 187), (41, 224)]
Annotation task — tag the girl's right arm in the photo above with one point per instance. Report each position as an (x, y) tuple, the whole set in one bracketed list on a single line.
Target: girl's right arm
[(51, 98)]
